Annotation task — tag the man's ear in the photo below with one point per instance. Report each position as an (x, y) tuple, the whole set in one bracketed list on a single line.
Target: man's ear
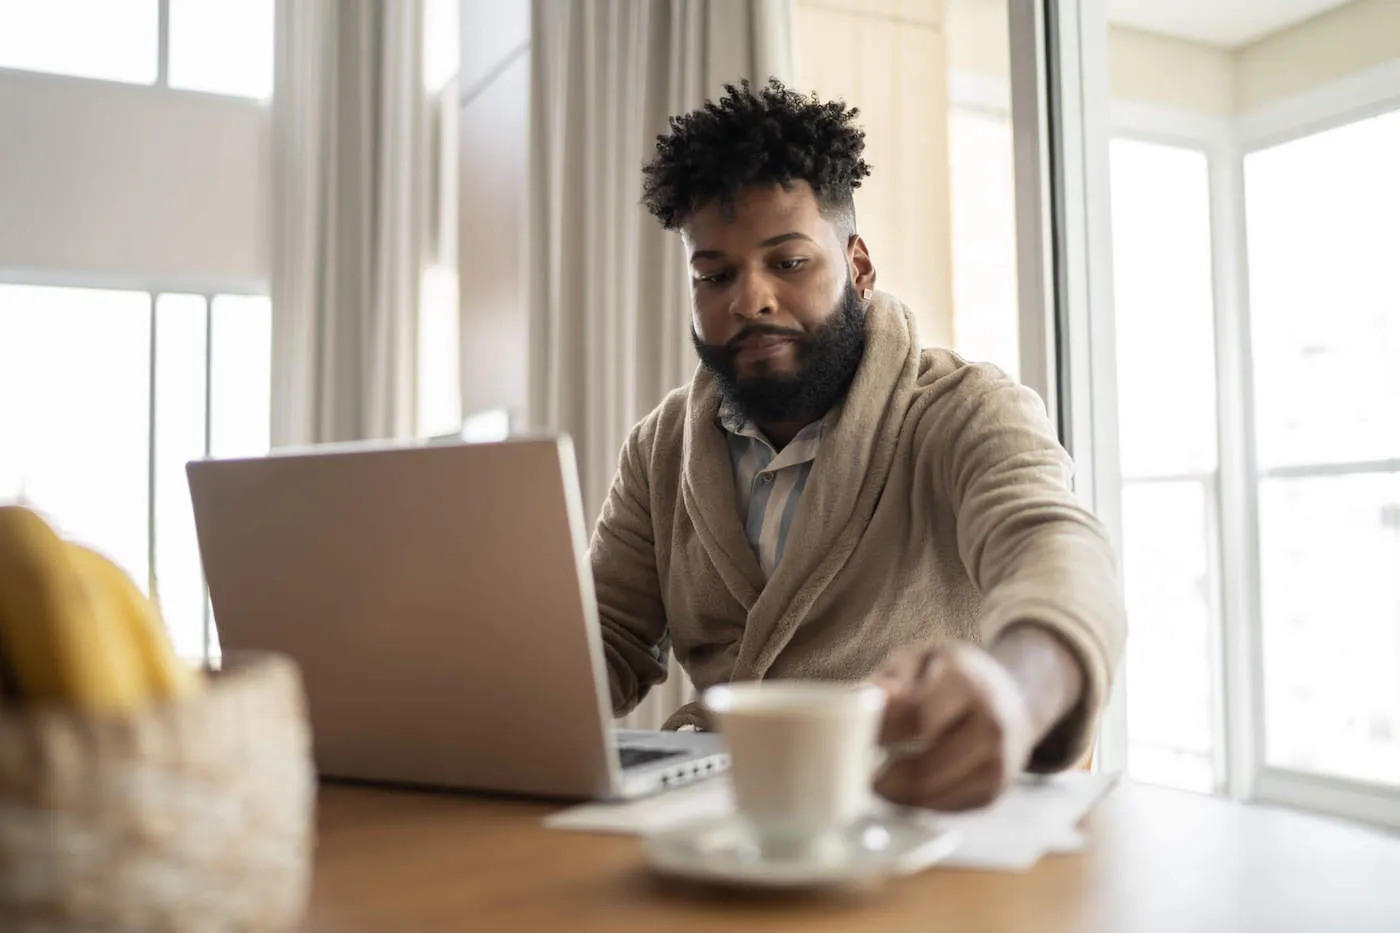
[(862, 267)]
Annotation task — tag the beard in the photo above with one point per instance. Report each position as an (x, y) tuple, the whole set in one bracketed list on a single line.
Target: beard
[(827, 360)]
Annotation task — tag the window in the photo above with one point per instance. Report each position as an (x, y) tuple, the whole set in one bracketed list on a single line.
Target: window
[(1323, 215), (74, 411), (216, 46), (105, 395), (1165, 320)]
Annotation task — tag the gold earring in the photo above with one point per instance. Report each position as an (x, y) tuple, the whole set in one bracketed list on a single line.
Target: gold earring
[(868, 294)]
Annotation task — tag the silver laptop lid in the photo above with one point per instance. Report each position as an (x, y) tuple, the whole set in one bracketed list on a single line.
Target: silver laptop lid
[(438, 599)]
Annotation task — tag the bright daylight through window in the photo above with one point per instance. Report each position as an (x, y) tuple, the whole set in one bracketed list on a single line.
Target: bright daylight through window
[(1324, 238), (1165, 320), (78, 389)]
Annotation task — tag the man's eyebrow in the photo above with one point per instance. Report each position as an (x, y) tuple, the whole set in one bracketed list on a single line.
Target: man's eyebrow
[(784, 238), (766, 244)]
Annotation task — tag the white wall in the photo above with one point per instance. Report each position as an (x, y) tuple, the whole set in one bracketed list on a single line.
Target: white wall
[(1168, 72), (137, 183), (1344, 41)]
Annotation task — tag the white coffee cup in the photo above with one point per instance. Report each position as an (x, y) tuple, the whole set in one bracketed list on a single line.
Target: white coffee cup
[(801, 757)]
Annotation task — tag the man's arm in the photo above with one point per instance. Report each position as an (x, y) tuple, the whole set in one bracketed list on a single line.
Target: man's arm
[(1038, 556), (1053, 619), (623, 558)]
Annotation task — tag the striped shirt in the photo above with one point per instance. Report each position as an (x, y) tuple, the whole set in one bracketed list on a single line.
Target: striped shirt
[(769, 483)]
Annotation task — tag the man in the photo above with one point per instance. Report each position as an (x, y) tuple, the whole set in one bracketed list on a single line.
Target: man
[(827, 500)]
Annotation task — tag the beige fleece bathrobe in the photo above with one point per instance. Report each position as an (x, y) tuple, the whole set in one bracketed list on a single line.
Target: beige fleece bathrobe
[(939, 507)]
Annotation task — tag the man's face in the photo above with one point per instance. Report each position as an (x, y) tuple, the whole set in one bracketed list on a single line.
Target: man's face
[(775, 297)]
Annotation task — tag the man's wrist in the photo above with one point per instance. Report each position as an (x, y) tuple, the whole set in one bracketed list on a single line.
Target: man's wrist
[(1047, 671)]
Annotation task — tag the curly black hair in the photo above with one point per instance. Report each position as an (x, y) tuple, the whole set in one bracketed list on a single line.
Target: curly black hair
[(773, 136)]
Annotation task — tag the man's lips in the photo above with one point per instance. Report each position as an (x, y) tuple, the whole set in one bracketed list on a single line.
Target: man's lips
[(761, 348)]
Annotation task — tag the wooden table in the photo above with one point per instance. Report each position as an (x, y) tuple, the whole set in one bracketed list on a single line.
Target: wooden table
[(402, 862)]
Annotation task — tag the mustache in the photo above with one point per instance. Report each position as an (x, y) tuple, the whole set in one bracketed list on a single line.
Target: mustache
[(763, 330)]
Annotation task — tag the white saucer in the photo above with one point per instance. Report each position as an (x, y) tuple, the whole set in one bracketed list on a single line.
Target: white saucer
[(725, 851)]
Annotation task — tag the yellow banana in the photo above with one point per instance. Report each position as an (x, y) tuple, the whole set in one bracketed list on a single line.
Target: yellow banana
[(166, 676), (64, 639)]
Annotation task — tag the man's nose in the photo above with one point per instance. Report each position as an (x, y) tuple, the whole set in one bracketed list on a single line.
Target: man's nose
[(753, 298)]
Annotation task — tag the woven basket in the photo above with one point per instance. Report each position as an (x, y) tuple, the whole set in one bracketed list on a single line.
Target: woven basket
[(187, 817)]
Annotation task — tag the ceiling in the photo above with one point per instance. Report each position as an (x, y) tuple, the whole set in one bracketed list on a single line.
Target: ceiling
[(1227, 23)]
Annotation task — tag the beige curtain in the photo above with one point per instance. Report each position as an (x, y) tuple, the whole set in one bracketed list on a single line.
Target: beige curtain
[(609, 300), (350, 180)]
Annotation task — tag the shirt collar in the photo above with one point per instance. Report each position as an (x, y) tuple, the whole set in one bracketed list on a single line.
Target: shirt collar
[(735, 422)]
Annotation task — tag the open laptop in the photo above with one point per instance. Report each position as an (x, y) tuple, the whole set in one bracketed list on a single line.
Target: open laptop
[(439, 601)]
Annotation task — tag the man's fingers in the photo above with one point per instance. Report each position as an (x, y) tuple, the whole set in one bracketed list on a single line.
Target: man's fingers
[(901, 721), (977, 789), (961, 752), (970, 718), (938, 773), (899, 677), (943, 698), (931, 705)]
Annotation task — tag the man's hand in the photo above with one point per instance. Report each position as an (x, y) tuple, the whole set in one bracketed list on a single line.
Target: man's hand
[(972, 717)]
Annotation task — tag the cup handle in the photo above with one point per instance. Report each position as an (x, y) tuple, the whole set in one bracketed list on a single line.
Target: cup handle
[(884, 754)]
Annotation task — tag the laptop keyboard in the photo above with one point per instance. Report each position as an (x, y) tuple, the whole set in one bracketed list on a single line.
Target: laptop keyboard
[(631, 757)]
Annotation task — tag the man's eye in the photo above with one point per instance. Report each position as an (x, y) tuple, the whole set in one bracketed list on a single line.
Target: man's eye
[(711, 278), (792, 265)]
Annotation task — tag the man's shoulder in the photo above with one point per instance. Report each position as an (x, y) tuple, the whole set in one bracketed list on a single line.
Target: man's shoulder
[(950, 391), (946, 373)]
